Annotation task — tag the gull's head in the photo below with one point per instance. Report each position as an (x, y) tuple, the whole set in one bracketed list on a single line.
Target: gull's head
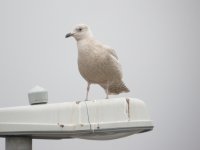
[(81, 31)]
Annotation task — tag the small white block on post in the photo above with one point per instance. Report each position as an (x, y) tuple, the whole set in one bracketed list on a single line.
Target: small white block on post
[(38, 95)]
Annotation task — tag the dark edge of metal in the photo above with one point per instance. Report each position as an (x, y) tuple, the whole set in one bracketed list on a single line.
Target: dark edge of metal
[(71, 134)]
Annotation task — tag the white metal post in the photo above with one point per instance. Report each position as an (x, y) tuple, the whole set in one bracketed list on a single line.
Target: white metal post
[(18, 143)]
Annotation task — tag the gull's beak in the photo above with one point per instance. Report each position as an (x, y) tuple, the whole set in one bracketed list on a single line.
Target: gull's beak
[(68, 35)]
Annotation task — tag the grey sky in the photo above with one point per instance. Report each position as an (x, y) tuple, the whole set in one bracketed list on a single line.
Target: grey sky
[(158, 44)]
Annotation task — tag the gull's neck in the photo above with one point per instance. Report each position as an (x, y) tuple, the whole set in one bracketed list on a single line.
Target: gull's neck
[(86, 38)]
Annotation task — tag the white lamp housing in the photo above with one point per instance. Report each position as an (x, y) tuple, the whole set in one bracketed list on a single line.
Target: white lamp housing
[(95, 120)]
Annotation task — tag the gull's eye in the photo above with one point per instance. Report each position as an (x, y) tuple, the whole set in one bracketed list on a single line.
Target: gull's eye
[(79, 29)]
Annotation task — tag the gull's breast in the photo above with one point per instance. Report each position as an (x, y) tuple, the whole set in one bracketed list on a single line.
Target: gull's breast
[(97, 67)]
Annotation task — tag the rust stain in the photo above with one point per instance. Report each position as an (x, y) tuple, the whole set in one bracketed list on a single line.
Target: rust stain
[(128, 106), (98, 127), (77, 102), (61, 125)]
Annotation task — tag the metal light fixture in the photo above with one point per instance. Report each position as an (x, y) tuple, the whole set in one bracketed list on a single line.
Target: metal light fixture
[(104, 119)]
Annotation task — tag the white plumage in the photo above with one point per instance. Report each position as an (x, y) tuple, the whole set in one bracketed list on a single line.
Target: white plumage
[(97, 63)]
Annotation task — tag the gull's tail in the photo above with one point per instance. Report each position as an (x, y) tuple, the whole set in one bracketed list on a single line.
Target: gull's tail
[(117, 88)]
